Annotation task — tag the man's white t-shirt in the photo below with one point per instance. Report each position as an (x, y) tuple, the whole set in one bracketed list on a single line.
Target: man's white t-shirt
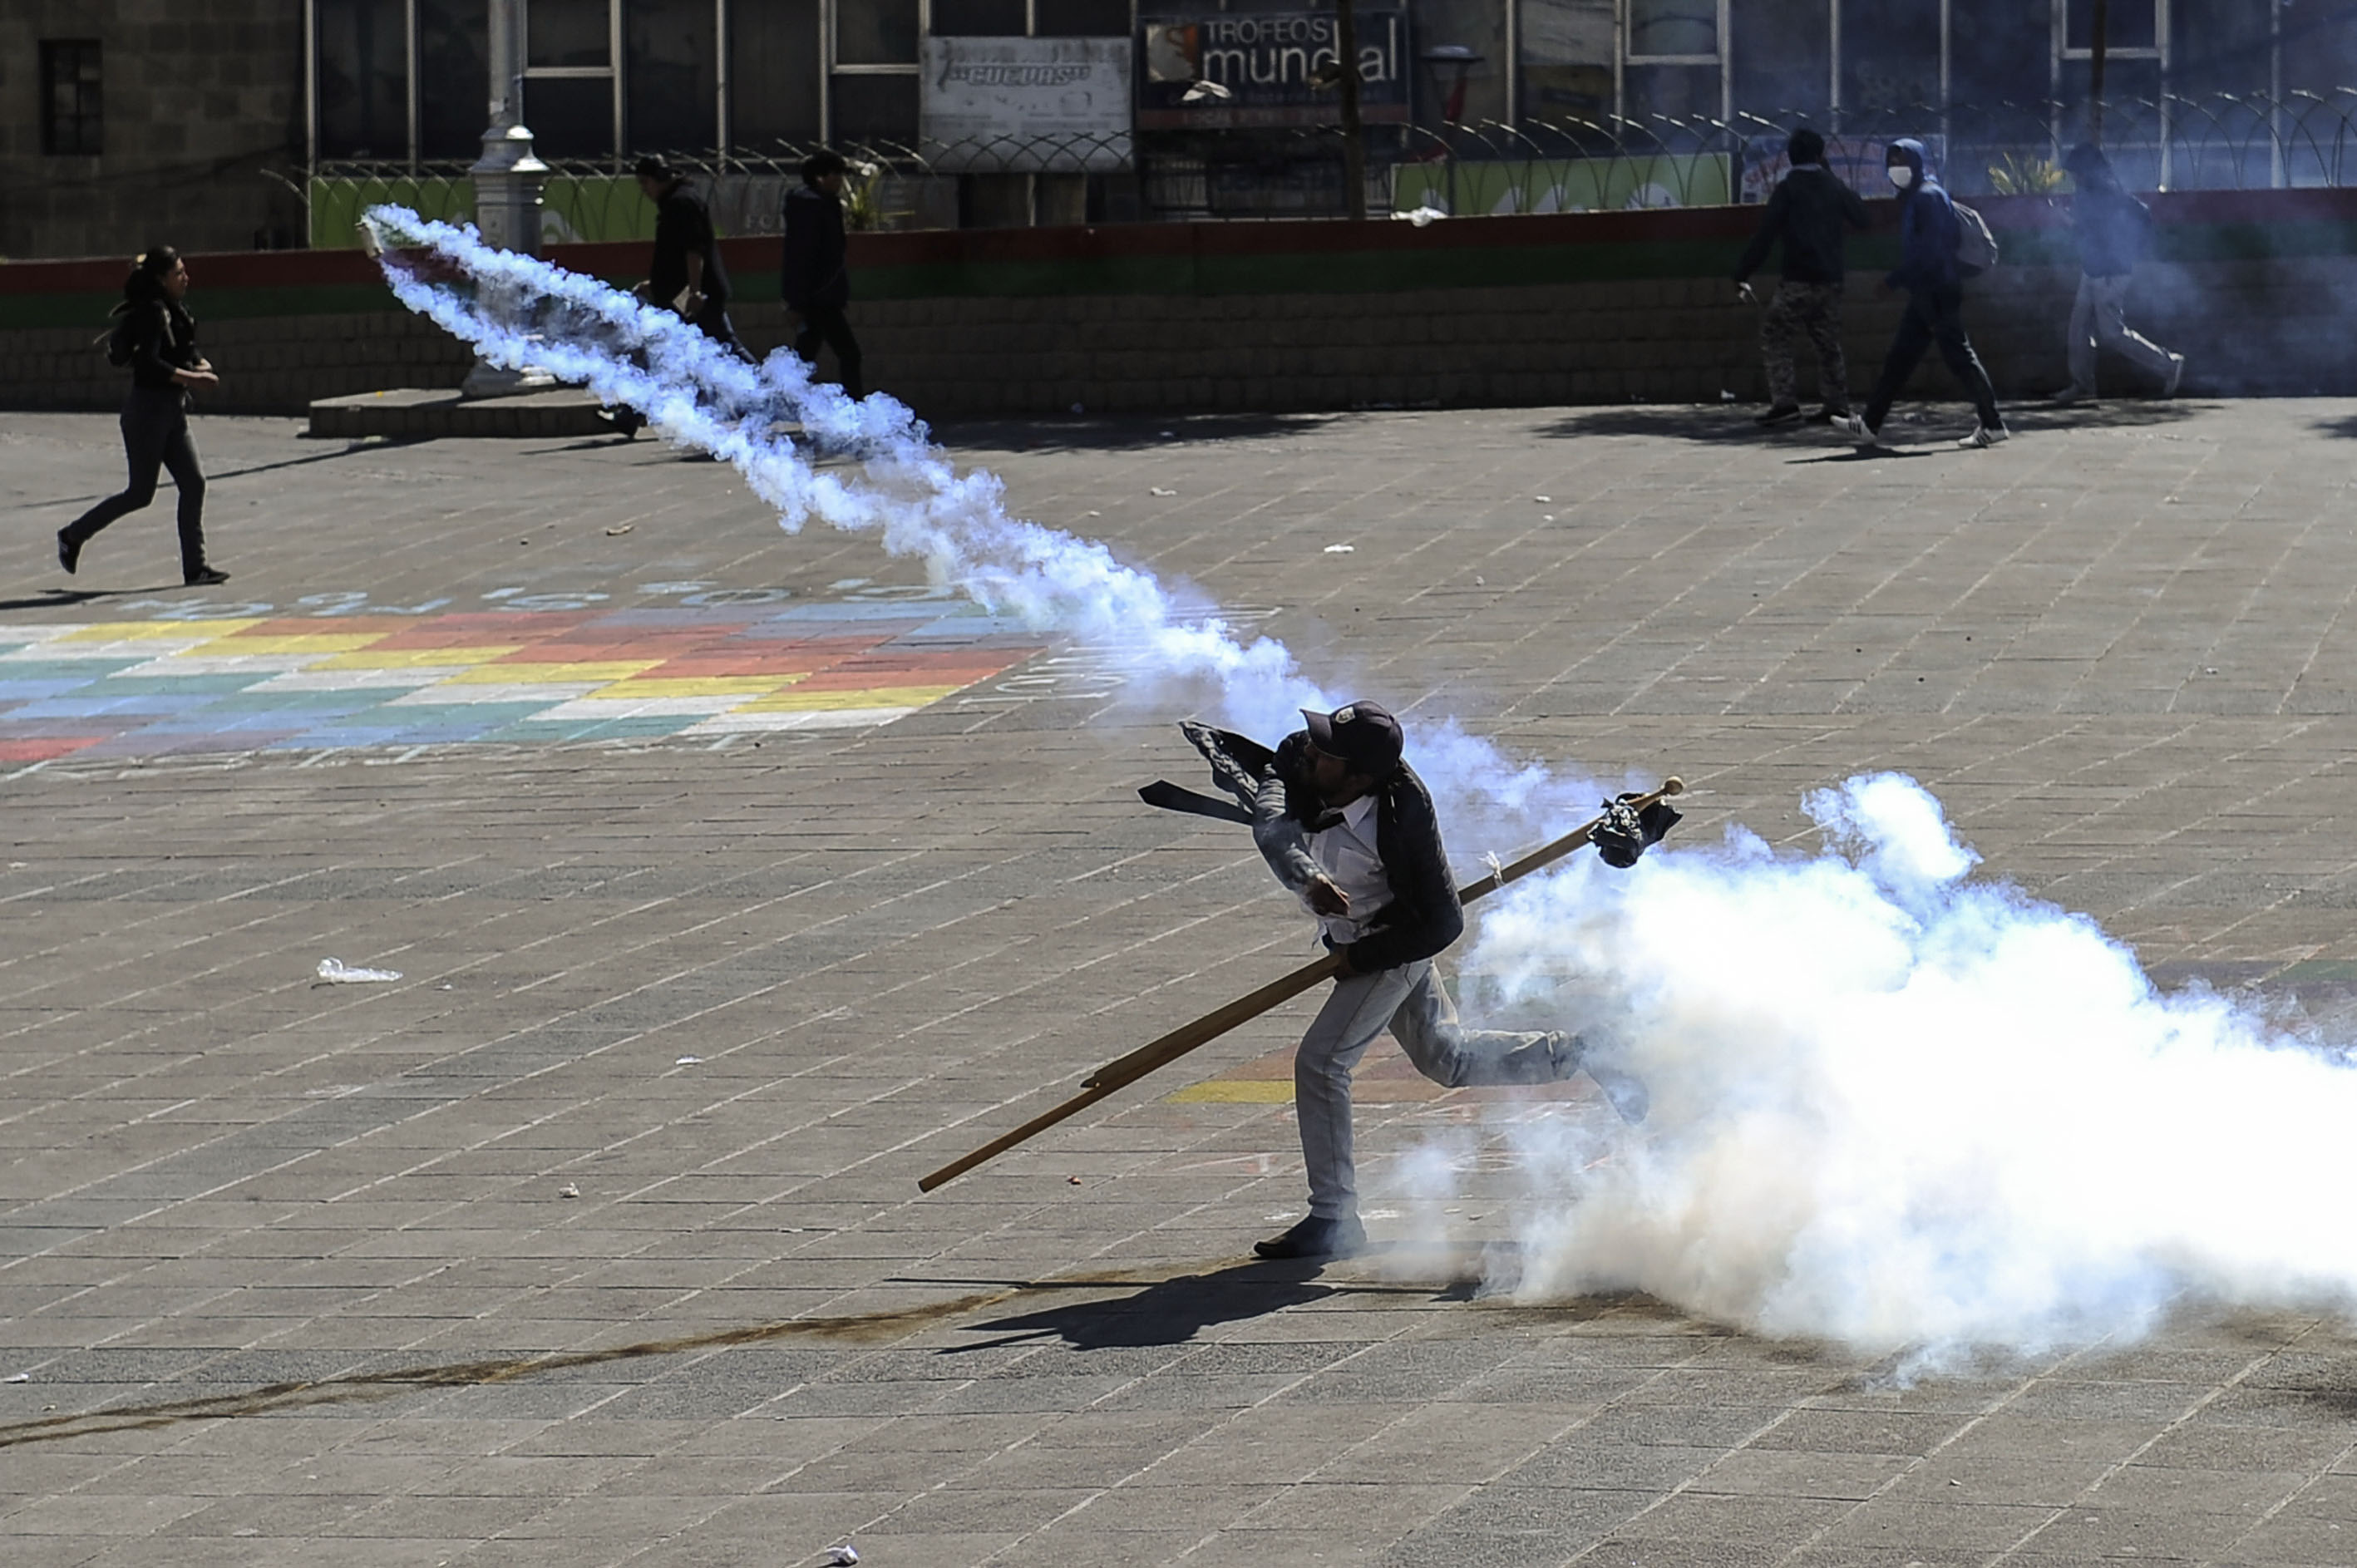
[(1347, 854)]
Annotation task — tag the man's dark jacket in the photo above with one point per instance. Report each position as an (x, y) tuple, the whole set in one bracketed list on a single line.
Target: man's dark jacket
[(2112, 228), (1424, 916), (684, 229), (1808, 208), (814, 273)]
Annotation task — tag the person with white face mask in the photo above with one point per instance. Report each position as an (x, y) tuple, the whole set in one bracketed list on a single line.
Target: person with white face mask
[(1928, 270)]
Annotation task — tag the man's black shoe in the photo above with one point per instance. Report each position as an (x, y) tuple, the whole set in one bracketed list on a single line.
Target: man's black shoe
[(1783, 414), (68, 550), (1316, 1238), (625, 421), (209, 577)]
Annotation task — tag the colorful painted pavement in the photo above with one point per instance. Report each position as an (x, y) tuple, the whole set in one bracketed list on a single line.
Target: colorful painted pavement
[(148, 688)]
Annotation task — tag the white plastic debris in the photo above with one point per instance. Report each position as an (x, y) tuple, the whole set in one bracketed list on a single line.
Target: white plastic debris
[(842, 1556), (1725, 396), (689, 1061), (1340, 549), (1422, 215), (335, 971), (17, 1378), (1198, 93), (619, 529), (568, 1190), (1544, 500), (1158, 490)]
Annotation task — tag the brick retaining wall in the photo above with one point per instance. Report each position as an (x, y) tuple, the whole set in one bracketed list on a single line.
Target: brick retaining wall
[(1587, 308)]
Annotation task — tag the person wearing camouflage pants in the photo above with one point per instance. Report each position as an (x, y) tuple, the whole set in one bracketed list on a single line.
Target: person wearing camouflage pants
[(1814, 308), (1809, 209)]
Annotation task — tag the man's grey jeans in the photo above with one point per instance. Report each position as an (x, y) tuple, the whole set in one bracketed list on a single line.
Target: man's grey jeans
[(1410, 1002), (2100, 316)]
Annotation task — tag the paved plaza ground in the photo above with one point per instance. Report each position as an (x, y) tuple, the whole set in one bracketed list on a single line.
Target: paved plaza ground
[(737, 878)]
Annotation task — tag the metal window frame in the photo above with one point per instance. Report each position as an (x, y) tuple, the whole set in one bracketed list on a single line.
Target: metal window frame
[(527, 73), (72, 48), (829, 13), (2062, 54), (1623, 57)]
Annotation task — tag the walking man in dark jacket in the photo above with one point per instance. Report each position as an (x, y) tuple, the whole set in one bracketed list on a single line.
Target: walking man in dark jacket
[(815, 278), (687, 275), (1808, 209), (2113, 228), (1348, 826), (1929, 234)]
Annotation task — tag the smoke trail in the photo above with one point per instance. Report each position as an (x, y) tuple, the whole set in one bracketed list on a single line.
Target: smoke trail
[(909, 494), (1894, 1107)]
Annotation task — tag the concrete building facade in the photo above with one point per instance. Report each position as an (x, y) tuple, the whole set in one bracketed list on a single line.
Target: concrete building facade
[(126, 122), (123, 121)]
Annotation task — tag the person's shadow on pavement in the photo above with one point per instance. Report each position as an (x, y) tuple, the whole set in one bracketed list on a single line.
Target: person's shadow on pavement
[(1173, 1312)]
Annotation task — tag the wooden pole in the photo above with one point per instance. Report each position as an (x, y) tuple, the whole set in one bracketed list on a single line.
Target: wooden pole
[(2100, 18), (1122, 1071), (1354, 143)]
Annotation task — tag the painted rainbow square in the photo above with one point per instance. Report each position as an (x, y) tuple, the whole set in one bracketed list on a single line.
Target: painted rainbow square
[(132, 689)]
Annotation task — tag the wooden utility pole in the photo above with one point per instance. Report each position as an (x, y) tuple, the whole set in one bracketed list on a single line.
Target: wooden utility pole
[(1354, 144), (2100, 18)]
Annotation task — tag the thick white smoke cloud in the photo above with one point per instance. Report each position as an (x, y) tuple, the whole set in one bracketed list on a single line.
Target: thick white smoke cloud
[(908, 493), (1891, 1107), (1895, 1108)]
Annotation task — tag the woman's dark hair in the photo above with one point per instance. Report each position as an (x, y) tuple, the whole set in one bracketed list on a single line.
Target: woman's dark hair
[(148, 271), (821, 163), (654, 168)]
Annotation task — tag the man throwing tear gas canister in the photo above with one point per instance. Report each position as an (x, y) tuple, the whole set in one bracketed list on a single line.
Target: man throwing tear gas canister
[(1349, 827)]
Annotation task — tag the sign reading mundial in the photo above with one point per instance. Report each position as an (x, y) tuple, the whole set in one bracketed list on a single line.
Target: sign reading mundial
[(1025, 104), (1259, 66)]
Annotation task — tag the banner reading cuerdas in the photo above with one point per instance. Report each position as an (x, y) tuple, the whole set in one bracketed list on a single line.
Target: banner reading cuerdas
[(1026, 105)]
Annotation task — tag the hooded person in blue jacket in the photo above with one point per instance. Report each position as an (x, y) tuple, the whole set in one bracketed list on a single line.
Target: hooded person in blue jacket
[(1928, 270)]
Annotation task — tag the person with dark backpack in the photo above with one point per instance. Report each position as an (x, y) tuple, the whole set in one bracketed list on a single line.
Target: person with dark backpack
[(1809, 208), (2113, 229), (1932, 269), (814, 274), (156, 338)]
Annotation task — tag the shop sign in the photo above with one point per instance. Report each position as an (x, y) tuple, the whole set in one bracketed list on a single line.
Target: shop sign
[(1258, 68)]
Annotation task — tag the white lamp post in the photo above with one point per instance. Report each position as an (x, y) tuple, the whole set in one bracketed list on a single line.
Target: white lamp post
[(507, 184)]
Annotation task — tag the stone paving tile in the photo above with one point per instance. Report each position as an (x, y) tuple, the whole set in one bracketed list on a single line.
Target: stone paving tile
[(295, 1259)]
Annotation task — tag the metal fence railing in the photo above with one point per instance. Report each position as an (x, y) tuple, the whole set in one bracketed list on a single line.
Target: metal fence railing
[(2236, 142)]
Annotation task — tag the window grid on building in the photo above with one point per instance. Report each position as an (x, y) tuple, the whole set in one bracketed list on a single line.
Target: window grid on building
[(613, 77), (71, 124)]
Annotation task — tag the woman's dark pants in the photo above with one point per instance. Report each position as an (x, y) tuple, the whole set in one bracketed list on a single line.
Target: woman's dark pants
[(155, 436)]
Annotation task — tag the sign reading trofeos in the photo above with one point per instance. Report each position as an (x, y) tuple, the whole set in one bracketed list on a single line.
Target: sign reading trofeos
[(1259, 67), (1023, 105)]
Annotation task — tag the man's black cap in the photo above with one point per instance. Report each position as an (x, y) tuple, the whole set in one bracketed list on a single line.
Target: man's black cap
[(1363, 734)]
